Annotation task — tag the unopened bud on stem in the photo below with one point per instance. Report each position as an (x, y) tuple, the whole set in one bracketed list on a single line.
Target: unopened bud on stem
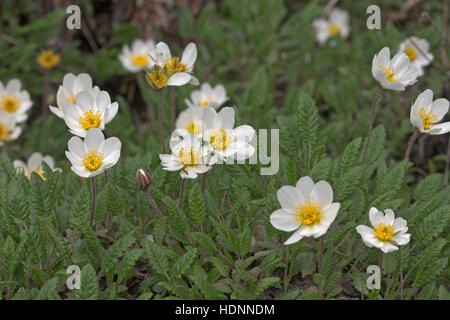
[(143, 180)]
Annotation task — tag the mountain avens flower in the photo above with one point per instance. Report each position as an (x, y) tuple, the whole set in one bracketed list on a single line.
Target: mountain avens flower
[(137, 59), (337, 23), (9, 130), (171, 71), (15, 101), (225, 142), (208, 96), (48, 59), (395, 73), (67, 92), (188, 155), (426, 113), (417, 50), (34, 165), (191, 120), (386, 233), (94, 155), (89, 112), (308, 209)]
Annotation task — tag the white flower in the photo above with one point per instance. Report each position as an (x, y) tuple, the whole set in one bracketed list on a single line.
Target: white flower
[(15, 101), (337, 23), (386, 232), (208, 96), (425, 113), (308, 209), (89, 112), (137, 58), (393, 74), (94, 155), (8, 127), (222, 139), (418, 53), (72, 85), (188, 155), (171, 71), (34, 164), (191, 120)]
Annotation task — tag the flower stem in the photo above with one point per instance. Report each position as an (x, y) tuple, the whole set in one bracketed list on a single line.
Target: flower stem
[(93, 200), (204, 182), (161, 127), (153, 203), (380, 263), (319, 267), (372, 119), (411, 143), (182, 192), (172, 107), (108, 212)]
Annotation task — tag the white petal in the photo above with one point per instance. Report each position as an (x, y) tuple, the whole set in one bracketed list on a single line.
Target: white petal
[(179, 79), (305, 185), (375, 216), (289, 198), (322, 193), (389, 217), (94, 137), (296, 236), (283, 220)]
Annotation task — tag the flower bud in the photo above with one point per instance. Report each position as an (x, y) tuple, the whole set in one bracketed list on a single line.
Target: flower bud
[(143, 180)]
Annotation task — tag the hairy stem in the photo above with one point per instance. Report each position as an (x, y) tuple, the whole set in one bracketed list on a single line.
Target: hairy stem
[(372, 120), (183, 181), (93, 201), (161, 127), (411, 143), (153, 203)]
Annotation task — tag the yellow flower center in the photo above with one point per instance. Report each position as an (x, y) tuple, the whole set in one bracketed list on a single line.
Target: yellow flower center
[(39, 172), (90, 119), (384, 232), (204, 103), (333, 29), (10, 103), (189, 156), (157, 77), (93, 160), (140, 60), (389, 72), (174, 65), (308, 213), (411, 53), (4, 131), (194, 127), (428, 118), (71, 98), (48, 59), (220, 139)]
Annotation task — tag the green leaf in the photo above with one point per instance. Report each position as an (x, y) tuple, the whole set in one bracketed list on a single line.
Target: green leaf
[(89, 286), (197, 206), (183, 264), (307, 118)]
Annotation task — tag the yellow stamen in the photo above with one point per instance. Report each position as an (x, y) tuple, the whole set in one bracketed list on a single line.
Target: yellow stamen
[(189, 156), (5, 132), (220, 139), (71, 98), (10, 103), (90, 119), (308, 213), (204, 103), (193, 127), (157, 78), (333, 29), (389, 72), (174, 65), (384, 232), (428, 118), (140, 60), (93, 160), (39, 172), (411, 53), (48, 59)]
